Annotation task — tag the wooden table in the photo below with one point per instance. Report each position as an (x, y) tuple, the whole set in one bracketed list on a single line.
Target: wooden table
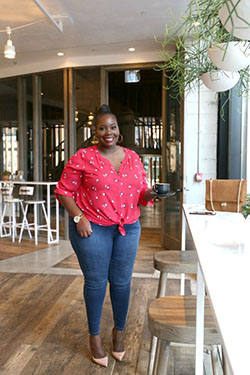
[(222, 243), (54, 232)]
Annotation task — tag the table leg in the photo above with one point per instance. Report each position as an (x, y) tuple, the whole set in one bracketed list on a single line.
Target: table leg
[(57, 221), (199, 322), (183, 248), (48, 215)]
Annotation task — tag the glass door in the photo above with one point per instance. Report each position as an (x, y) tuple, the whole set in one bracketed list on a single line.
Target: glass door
[(172, 171)]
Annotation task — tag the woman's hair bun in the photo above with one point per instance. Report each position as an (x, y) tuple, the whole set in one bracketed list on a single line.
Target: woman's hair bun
[(104, 109)]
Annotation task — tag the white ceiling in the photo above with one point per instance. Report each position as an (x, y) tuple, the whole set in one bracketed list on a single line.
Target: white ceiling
[(95, 32)]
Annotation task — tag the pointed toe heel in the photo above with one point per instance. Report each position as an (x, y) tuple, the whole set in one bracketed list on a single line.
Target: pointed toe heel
[(101, 361), (118, 355)]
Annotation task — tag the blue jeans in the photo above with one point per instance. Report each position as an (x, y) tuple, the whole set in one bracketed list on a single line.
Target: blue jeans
[(106, 256)]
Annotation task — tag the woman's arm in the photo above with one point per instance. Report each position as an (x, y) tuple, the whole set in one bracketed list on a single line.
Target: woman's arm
[(84, 226)]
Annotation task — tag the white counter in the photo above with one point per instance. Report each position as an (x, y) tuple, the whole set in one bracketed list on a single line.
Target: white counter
[(222, 243)]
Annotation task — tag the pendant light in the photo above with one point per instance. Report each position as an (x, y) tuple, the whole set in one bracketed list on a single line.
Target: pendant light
[(9, 49)]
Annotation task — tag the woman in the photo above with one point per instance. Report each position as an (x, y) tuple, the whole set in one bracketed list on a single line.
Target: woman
[(101, 187)]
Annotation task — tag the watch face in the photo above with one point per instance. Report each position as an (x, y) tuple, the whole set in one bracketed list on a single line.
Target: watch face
[(77, 219)]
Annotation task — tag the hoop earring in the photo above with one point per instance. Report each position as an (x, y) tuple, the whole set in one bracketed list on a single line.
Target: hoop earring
[(120, 138), (95, 140)]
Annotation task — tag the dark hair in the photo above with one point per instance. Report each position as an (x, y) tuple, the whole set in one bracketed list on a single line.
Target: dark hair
[(102, 111)]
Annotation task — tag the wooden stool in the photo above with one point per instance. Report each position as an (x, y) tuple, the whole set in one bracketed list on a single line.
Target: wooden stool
[(173, 319), (173, 261), (170, 261)]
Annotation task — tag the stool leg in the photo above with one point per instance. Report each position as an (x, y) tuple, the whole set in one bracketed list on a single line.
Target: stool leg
[(157, 352), (161, 292), (215, 360), (13, 209), (153, 346), (2, 223), (163, 358), (226, 369), (162, 286), (46, 219), (35, 223), (25, 222)]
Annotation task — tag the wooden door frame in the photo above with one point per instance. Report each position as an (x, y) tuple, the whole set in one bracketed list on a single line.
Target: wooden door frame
[(167, 241)]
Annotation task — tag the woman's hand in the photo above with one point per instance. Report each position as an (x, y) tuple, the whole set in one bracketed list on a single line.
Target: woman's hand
[(150, 194), (84, 227)]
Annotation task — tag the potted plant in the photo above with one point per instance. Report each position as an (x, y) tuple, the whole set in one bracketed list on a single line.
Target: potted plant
[(192, 37), (6, 175), (246, 207), (235, 17)]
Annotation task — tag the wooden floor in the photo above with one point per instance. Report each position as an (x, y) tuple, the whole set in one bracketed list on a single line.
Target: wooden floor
[(43, 322), (9, 249)]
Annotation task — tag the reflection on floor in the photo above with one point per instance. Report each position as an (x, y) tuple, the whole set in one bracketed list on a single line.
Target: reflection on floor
[(43, 321)]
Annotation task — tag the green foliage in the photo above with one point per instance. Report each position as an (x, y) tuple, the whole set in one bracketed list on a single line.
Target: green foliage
[(246, 207), (6, 173), (191, 37)]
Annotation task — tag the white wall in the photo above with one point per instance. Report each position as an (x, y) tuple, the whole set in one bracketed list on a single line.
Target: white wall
[(194, 192)]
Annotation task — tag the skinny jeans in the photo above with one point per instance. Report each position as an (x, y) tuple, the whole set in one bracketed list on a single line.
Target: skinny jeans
[(106, 256)]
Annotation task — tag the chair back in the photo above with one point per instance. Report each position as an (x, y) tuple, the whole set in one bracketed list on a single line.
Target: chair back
[(6, 190), (26, 190)]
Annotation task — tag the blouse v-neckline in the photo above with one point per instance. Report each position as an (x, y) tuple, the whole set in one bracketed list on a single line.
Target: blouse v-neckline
[(106, 159)]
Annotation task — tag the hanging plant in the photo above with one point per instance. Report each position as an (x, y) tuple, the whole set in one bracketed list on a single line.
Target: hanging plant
[(231, 56), (235, 17), (199, 29), (219, 80)]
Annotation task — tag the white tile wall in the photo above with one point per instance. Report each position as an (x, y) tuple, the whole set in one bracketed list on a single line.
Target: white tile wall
[(194, 192)]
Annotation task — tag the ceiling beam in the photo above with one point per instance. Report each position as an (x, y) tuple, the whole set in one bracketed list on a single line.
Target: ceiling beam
[(59, 24)]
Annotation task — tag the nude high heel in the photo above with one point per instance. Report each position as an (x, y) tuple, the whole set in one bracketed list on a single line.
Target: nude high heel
[(117, 355), (103, 361)]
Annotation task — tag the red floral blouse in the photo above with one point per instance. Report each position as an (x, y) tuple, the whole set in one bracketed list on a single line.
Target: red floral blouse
[(105, 196)]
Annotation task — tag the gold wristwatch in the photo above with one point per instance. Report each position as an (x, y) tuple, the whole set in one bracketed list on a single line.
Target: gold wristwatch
[(78, 218)]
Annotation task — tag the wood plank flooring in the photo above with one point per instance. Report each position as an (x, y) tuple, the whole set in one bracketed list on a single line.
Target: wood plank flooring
[(43, 326), (9, 249), (44, 329)]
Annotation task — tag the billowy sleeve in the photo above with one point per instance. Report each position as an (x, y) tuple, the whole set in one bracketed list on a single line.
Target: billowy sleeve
[(71, 178)]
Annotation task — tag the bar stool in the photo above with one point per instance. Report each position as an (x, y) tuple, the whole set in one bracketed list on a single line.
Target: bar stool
[(173, 319), (13, 204), (170, 261), (173, 261), (28, 191)]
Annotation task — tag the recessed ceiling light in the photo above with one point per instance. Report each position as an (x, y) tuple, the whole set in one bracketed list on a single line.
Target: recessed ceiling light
[(60, 54), (131, 49)]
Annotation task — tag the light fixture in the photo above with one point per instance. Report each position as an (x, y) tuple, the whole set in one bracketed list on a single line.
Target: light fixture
[(9, 49), (131, 49), (90, 116), (132, 76), (76, 116), (60, 54)]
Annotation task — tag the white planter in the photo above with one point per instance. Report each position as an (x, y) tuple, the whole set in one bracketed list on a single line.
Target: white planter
[(238, 24), (220, 80), (230, 56)]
